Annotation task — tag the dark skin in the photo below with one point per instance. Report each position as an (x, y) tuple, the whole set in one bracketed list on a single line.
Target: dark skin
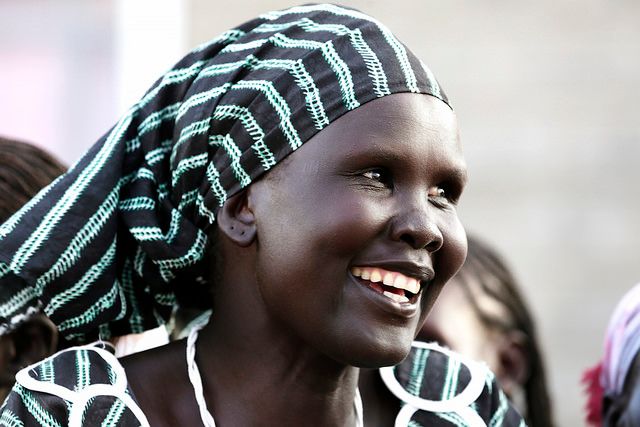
[(382, 407), (377, 188)]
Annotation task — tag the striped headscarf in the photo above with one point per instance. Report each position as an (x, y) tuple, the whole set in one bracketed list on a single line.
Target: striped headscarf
[(108, 248)]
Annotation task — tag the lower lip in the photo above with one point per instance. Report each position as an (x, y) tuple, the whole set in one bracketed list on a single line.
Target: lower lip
[(405, 309)]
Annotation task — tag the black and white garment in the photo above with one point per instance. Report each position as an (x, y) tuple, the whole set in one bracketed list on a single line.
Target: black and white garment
[(87, 386), (441, 388), (80, 386)]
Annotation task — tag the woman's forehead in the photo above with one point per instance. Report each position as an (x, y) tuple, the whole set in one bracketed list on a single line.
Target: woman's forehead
[(394, 128)]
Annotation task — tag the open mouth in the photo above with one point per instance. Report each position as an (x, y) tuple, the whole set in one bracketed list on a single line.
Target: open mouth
[(391, 284)]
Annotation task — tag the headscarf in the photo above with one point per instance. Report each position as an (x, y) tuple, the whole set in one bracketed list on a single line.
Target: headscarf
[(621, 346), (108, 248)]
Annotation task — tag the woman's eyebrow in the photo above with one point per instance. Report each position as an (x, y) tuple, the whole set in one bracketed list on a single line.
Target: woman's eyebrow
[(377, 154), (460, 174), (456, 168)]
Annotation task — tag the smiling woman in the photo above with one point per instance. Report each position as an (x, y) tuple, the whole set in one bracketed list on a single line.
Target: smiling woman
[(306, 167)]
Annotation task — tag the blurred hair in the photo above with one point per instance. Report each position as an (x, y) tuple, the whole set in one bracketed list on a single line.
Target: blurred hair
[(24, 170), (486, 268)]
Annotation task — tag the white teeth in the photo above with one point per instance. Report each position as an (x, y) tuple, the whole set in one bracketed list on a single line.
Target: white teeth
[(400, 282), (395, 297), (412, 286), (389, 278), (375, 276)]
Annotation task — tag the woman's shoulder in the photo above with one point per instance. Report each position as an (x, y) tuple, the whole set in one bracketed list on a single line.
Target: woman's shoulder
[(442, 388), (83, 385)]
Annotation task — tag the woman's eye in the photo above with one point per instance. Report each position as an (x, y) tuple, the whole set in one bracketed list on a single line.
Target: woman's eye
[(440, 196), (379, 175), (376, 175)]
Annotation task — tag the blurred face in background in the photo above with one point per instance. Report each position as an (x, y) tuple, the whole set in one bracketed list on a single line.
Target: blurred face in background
[(455, 323), (470, 322)]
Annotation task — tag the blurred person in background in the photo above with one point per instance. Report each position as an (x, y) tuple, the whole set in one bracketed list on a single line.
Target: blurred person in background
[(613, 389), (482, 314), (24, 170)]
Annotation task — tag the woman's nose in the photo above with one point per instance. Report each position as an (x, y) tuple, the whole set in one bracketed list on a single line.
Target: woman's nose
[(416, 227)]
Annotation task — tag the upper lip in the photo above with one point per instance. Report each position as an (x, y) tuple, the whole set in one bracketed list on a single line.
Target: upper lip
[(421, 272)]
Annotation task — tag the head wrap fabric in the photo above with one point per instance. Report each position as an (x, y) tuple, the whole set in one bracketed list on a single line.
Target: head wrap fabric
[(621, 346), (106, 249), (622, 342)]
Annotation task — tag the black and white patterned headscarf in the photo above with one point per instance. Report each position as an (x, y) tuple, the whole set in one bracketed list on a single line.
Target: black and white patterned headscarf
[(105, 249)]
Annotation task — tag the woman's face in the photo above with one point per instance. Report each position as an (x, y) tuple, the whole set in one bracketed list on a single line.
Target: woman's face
[(370, 198)]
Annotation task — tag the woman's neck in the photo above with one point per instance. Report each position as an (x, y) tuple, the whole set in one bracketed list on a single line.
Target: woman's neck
[(380, 406), (254, 378)]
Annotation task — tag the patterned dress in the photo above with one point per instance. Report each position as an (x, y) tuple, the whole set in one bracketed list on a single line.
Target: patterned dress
[(80, 386), (87, 386), (438, 387)]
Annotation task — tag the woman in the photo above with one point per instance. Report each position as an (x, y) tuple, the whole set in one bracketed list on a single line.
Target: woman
[(179, 199)]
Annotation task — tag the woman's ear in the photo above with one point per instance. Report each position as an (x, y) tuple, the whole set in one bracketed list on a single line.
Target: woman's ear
[(513, 369), (236, 219), (513, 361)]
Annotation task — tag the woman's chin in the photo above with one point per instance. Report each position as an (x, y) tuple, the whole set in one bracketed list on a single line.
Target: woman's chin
[(380, 355)]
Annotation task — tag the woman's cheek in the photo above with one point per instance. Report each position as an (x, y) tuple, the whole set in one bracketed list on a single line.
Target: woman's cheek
[(353, 222), (454, 249)]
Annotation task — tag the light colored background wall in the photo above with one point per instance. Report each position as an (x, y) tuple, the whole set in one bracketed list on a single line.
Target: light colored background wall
[(57, 73), (546, 94)]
